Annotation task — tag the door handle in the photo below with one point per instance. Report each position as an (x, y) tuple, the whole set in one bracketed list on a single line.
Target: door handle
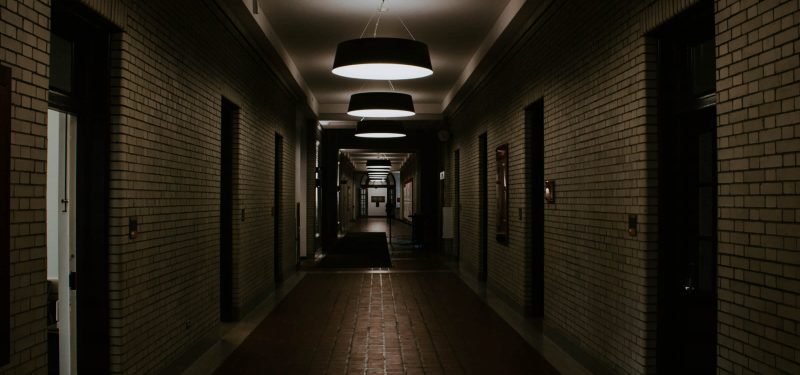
[(688, 286)]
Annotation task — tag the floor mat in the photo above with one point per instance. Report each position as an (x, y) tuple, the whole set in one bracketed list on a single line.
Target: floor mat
[(358, 250)]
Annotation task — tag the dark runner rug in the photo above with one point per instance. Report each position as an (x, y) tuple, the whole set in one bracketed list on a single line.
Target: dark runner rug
[(358, 250)]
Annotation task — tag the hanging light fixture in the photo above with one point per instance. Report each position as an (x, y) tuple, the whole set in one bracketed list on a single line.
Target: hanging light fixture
[(381, 104), (378, 169), (379, 164), (380, 129), (382, 59)]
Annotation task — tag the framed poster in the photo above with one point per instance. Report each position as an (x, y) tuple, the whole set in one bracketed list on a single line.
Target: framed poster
[(501, 189)]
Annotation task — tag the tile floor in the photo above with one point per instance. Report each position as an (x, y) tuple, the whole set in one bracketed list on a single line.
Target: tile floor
[(420, 318)]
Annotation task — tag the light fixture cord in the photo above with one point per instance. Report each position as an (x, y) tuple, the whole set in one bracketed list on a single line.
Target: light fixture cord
[(366, 26), (406, 27), (380, 12), (378, 21)]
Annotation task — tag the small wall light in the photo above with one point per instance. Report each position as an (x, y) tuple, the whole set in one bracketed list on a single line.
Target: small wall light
[(550, 191)]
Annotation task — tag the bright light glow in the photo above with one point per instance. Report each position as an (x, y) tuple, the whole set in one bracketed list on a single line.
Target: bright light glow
[(380, 135), (385, 113), (382, 72)]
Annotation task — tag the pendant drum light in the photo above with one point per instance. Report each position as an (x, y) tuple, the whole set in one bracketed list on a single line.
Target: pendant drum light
[(378, 169), (381, 104), (379, 164), (382, 59), (380, 129)]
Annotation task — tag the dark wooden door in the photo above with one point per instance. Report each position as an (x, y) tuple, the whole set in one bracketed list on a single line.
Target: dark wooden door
[(457, 202), (226, 212), (688, 231), (276, 211), (5, 271), (534, 122), (80, 84), (687, 309)]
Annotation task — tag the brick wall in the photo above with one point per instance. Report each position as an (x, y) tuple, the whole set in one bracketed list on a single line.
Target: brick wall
[(172, 64), (24, 44), (176, 61), (759, 186), (588, 61)]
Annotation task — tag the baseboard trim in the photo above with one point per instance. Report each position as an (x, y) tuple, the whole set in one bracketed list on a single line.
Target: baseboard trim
[(191, 354), (231, 335), (530, 329), (591, 362)]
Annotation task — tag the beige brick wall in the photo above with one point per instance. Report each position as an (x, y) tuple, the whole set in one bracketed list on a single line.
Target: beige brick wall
[(172, 64), (24, 45), (587, 60), (758, 109), (176, 61)]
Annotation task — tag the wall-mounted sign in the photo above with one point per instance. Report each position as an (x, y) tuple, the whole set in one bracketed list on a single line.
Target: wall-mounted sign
[(380, 199), (501, 189)]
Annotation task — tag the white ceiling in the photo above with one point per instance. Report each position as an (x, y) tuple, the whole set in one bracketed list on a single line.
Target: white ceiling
[(458, 33)]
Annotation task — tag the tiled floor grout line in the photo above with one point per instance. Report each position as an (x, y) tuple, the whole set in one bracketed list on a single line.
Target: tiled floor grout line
[(321, 336), (401, 322)]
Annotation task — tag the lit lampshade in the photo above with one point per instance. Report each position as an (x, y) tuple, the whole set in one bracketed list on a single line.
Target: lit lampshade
[(380, 129), (378, 169), (379, 164), (381, 104), (382, 59)]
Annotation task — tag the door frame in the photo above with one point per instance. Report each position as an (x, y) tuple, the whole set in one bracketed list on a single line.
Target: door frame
[(679, 101), (276, 210), (457, 203), (90, 101)]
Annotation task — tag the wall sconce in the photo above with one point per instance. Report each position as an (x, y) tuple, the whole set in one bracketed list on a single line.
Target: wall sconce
[(550, 191)]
